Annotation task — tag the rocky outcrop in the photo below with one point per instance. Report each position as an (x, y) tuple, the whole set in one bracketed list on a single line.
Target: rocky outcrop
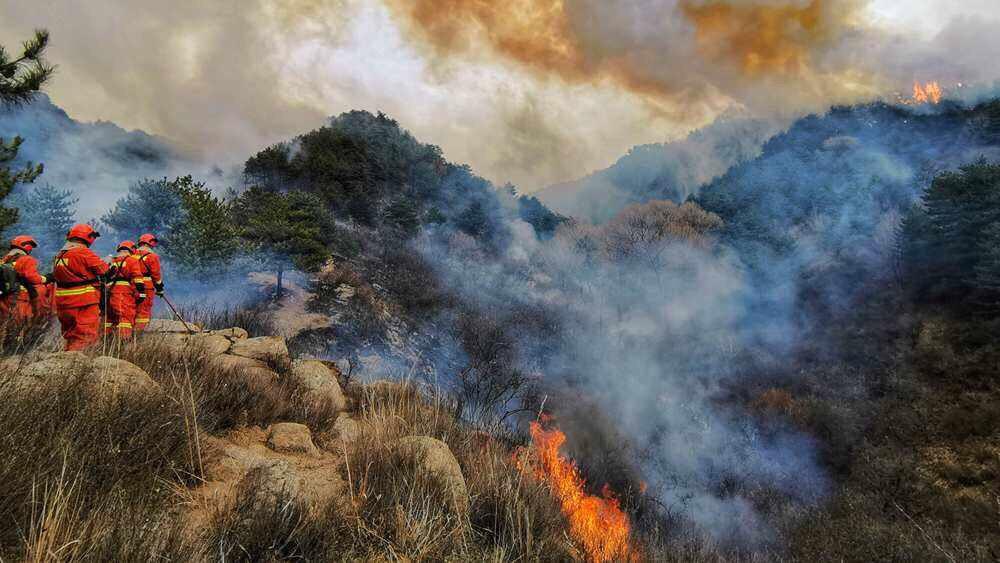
[(320, 383), (111, 376), (105, 375), (59, 364), (290, 437), (262, 348), (434, 458)]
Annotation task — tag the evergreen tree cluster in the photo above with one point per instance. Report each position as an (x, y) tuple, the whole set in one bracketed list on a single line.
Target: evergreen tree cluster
[(367, 169), (950, 241)]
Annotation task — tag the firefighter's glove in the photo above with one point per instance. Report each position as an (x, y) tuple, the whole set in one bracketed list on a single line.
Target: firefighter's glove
[(140, 298), (159, 288)]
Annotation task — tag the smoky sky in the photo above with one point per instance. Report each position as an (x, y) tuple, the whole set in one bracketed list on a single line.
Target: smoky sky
[(528, 91)]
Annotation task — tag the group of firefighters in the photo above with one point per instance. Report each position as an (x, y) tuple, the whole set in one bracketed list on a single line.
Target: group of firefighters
[(84, 290)]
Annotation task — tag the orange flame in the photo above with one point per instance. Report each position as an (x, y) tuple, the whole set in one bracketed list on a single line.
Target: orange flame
[(598, 524), (929, 93)]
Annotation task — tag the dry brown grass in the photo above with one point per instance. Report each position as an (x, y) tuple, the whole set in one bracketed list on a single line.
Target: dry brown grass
[(398, 511)]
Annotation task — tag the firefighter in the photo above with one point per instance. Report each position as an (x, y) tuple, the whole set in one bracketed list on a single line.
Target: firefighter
[(127, 291), (149, 262), (78, 274), (27, 303)]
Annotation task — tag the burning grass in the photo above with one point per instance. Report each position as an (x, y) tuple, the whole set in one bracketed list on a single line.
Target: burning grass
[(597, 523)]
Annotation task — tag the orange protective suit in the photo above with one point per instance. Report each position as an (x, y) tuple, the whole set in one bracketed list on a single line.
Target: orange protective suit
[(149, 263), (28, 304), (124, 290), (77, 272)]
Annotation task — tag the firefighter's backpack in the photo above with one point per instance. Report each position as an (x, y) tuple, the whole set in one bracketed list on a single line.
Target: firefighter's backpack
[(10, 283)]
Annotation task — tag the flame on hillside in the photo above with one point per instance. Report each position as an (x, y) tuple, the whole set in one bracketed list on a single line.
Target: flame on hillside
[(597, 523), (929, 93)]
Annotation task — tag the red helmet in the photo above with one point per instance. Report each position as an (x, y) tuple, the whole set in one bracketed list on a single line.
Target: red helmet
[(127, 245), (83, 233), (148, 238), (24, 242)]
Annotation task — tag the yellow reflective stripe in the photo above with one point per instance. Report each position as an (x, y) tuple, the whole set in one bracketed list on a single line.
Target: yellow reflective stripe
[(109, 325), (124, 325), (138, 280), (121, 282), (139, 320), (76, 291)]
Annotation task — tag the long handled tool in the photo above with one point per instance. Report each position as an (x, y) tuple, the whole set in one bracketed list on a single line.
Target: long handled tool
[(178, 315)]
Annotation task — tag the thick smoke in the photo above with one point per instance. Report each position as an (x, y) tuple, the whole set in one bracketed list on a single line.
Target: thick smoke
[(652, 332), (662, 171), (687, 57), (95, 161)]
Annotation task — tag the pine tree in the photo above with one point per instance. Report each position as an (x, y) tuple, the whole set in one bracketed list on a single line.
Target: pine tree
[(46, 213), (285, 231), (150, 206), (944, 248), (205, 238), (20, 79)]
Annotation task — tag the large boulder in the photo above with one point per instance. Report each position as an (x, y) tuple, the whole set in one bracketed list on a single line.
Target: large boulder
[(228, 362), (170, 325), (320, 383), (111, 376), (269, 349), (290, 437), (59, 364), (271, 484), (433, 458)]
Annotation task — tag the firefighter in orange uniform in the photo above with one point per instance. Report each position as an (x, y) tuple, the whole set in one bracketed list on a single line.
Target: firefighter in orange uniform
[(78, 274), (27, 304), (126, 292), (149, 262)]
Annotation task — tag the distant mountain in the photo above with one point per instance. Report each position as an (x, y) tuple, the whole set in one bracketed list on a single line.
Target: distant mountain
[(661, 171), (843, 171), (97, 161)]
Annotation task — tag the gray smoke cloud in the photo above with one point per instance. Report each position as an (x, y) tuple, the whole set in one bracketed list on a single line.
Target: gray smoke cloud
[(223, 79)]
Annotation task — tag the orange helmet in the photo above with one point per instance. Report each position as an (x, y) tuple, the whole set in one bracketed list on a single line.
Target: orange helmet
[(127, 245), (83, 233), (24, 242), (148, 238)]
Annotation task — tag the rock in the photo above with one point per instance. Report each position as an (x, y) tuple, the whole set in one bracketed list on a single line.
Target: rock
[(228, 362), (346, 428), (320, 382), (212, 344), (170, 325), (59, 364), (290, 437), (270, 484), (262, 348), (112, 376), (234, 333), (434, 458)]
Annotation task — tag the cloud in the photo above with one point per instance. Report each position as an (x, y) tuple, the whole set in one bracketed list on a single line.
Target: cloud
[(529, 91)]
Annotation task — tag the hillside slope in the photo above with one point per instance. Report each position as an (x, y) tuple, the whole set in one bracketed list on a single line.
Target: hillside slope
[(97, 161)]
